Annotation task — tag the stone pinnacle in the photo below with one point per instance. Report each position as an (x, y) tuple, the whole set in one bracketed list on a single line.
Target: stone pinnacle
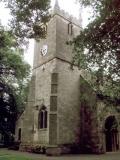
[(56, 5)]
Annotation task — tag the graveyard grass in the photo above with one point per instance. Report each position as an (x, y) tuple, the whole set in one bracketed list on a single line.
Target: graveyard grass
[(5, 156)]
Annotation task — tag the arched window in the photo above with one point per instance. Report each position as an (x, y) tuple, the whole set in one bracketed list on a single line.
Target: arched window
[(44, 28), (70, 29), (42, 118)]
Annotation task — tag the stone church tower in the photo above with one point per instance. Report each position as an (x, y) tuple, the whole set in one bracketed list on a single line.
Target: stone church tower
[(55, 115)]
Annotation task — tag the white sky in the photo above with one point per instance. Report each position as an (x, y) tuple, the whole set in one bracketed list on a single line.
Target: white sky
[(68, 5)]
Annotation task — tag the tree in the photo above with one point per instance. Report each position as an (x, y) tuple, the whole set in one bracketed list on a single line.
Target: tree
[(29, 17), (14, 78), (14, 71), (97, 47), (8, 114)]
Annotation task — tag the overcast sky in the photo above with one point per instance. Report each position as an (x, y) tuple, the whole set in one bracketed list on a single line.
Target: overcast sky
[(72, 7)]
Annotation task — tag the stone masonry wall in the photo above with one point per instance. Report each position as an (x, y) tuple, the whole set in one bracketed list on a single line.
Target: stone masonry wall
[(90, 140), (25, 121), (50, 41), (68, 103), (42, 97), (57, 36), (63, 50)]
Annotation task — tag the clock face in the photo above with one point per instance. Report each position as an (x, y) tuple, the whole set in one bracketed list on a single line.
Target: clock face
[(44, 50)]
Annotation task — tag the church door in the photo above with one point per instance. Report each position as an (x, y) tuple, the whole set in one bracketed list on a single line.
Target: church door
[(111, 134)]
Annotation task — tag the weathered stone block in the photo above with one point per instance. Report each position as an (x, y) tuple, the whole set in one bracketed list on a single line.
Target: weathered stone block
[(53, 151)]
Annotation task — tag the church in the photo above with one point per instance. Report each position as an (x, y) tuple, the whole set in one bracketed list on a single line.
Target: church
[(63, 113)]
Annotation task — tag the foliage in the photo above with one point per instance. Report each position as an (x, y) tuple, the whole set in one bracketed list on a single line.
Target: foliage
[(8, 114), (97, 47), (29, 17), (14, 78), (14, 71)]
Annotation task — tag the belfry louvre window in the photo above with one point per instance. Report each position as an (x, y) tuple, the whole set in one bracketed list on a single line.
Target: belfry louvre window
[(70, 29), (42, 118), (43, 29), (53, 103), (54, 83), (54, 78)]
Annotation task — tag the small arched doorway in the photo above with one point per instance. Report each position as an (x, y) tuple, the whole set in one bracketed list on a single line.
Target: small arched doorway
[(19, 134), (111, 134)]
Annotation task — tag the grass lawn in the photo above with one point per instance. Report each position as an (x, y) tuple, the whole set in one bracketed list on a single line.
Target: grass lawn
[(13, 158), (6, 156)]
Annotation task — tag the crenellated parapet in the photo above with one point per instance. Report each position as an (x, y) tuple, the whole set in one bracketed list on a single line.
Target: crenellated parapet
[(57, 10)]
